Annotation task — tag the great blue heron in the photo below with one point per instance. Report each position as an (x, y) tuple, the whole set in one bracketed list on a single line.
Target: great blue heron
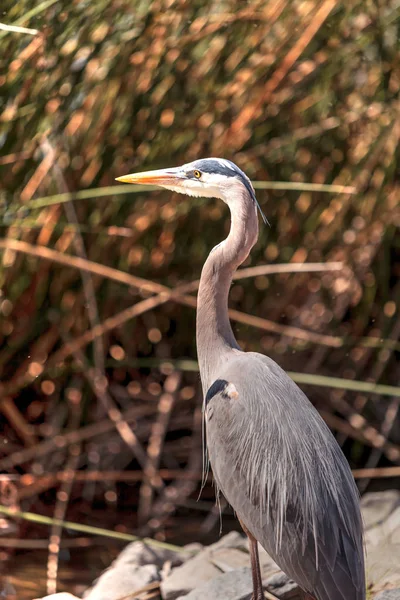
[(272, 455)]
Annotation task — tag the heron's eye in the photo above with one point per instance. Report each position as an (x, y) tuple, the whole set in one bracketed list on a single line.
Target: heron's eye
[(197, 174)]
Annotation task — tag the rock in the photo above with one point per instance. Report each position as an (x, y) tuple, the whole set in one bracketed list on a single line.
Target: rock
[(229, 555), (206, 565), (137, 566), (59, 596), (383, 566), (222, 570), (381, 513), (281, 586), (191, 574), (236, 585), (233, 539), (140, 554), (122, 580), (267, 565), (392, 526), (377, 506), (229, 559), (389, 595)]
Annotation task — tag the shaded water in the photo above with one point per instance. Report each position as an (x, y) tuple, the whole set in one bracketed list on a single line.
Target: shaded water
[(77, 570)]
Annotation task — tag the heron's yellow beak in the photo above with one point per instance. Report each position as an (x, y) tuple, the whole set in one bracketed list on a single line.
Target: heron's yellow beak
[(160, 177)]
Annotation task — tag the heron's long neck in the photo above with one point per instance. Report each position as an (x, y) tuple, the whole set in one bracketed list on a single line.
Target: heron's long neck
[(215, 339)]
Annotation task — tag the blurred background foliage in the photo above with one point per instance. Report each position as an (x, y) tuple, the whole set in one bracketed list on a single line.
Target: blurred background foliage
[(100, 400)]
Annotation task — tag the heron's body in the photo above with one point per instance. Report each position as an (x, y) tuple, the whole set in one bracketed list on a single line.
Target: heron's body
[(272, 455), (292, 492)]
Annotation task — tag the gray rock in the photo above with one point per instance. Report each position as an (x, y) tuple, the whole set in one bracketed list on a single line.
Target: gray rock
[(389, 595), (383, 565), (229, 559), (233, 539), (137, 566), (140, 554), (205, 566), (222, 570), (281, 586), (392, 527), (377, 506), (122, 580), (191, 574), (229, 555), (267, 565), (59, 596), (236, 585), (381, 513)]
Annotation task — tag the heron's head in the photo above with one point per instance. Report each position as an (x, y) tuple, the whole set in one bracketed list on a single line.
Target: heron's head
[(207, 177)]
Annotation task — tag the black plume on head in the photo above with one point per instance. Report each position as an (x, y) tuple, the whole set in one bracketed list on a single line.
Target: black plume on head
[(223, 166)]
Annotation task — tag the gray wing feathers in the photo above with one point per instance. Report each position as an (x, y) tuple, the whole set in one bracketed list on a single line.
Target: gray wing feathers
[(281, 469)]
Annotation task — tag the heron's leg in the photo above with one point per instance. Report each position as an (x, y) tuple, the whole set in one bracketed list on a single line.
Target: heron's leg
[(258, 593)]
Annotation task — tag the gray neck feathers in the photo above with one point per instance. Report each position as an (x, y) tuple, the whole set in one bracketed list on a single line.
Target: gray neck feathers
[(215, 339)]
